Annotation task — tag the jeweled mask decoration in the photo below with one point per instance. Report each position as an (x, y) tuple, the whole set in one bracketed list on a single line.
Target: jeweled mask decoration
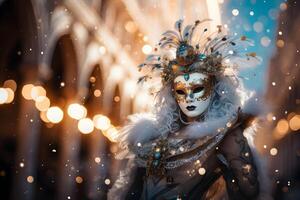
[(193, 93)]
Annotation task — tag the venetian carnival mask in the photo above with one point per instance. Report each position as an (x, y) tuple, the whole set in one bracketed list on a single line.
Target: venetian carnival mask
[(193, 93), (201, 59)]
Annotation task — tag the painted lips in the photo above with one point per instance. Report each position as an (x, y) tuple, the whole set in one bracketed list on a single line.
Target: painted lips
[(191, 108)]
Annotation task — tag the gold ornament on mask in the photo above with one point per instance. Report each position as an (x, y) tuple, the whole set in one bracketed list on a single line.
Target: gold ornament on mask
[(181, 90)]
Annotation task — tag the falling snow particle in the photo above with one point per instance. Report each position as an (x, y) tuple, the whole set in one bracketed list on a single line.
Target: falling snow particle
[(30, 179), (273, 83), (201, 171), (273, 151), (107, 181), (97, 160), (235, 12), (251, 13)]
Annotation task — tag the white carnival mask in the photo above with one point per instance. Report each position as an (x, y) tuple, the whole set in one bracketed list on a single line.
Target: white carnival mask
[(193, 93)]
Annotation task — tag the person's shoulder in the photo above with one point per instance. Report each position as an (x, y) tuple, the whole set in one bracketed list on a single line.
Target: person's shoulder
[(235, 134)]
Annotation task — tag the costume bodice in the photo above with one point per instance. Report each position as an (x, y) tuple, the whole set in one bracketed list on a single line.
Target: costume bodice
[(230, 158)]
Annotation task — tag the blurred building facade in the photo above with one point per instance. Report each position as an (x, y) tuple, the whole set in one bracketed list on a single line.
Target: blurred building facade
[(83, 51), (283, 97)]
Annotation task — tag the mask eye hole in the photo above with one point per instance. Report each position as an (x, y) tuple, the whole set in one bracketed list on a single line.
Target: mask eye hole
[(180, 92), (198, 89)]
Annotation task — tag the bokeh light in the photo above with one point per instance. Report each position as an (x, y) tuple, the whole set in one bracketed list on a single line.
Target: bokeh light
[(295, 122), (37, 91), (10, 84), (55, 114), (202, 171), (11, 95), (42, 103), (111, 133), (3, 95), (85, 125), (26, 91), (101, 122), (282, 126), (77, 111), (273, 151), (43, 116), (147, 49)]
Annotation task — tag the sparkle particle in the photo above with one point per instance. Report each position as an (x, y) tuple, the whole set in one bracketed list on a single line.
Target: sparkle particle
[(273, 151), (97, 160), (30, 179), (107, 181), (201, 171), (235, 12)]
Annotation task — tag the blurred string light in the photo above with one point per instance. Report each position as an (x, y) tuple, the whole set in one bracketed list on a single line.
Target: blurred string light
[(3, 95), (111, 133), (284, 126), (37, 91), (101, 122), (294, 123), (77, 111), (42, 103), (11, 95), (85, 125), (43, 116), (26, 91), (10, 84), (55, 114)]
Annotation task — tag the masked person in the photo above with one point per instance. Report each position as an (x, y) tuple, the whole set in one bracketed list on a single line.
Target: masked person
[(192, 146)]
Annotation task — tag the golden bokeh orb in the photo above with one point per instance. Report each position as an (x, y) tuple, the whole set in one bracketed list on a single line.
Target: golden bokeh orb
[(55, 114), (42, 103), (77, 111), (85, 125), (26, 91), (37, 91), (3, 95), (101, 122), (294, 123), (10, 84)]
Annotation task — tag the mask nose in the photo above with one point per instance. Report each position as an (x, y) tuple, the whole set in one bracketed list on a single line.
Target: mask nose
[(190, 97)]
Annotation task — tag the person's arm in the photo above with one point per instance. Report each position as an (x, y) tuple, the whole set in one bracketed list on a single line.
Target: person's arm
[(240, 171)]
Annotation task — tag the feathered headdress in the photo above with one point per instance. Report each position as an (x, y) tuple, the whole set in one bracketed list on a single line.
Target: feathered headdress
[(185, 51)]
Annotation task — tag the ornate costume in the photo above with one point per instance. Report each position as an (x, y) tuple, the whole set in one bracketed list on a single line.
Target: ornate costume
[(192, 146)]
